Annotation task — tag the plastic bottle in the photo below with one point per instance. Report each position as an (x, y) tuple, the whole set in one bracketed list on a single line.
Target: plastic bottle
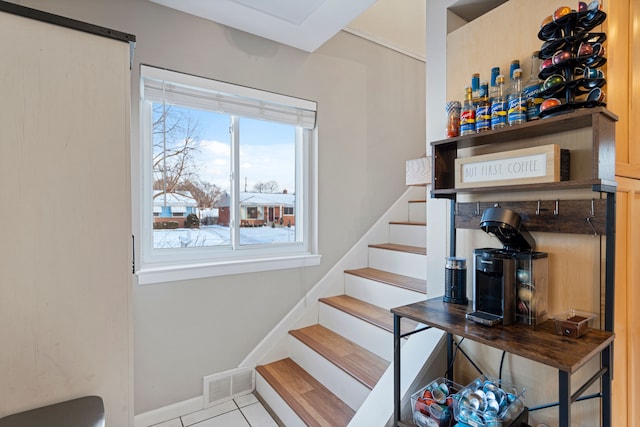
[(475, 88), (499, 105), (483, 110), (533, 88), (468, 114), (493, 87), (515, 64), (516, 101)]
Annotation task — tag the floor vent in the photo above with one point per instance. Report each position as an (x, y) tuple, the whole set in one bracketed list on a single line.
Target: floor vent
[(226, 385)]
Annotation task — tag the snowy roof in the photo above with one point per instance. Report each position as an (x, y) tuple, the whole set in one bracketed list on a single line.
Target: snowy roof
[(183, 198), (262, 199)]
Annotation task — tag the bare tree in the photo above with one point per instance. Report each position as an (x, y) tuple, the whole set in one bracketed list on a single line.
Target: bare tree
[(266, 187), (205, 193), (175, 143)]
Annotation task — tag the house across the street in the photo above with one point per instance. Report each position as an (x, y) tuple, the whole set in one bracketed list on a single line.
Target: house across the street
[(258, 209), (173, 206)]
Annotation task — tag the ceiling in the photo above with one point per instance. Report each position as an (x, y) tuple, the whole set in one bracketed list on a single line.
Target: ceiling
[(471, 9), (304, 24)]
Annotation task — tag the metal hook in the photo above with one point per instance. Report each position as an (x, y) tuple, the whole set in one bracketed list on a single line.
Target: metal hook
[(592, 216), (556, 211), (538, 209), (477, 212)]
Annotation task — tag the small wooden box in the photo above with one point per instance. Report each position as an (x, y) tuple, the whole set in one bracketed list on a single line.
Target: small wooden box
[(546, 163), (573, 323)]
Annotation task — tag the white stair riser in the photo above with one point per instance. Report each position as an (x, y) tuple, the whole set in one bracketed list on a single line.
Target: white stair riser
[(412, 235), (380, 294), (408, 264), (277, 404), (343, 385), (371, 337), (418, 212)]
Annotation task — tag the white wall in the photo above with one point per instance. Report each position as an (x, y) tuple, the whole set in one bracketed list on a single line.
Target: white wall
[(371, 119)]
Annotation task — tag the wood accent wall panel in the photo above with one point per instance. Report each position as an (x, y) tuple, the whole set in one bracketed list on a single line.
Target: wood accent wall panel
[(626, 385), (623, 89)]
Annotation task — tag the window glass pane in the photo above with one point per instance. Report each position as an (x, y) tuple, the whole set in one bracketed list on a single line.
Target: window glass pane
[(267, 182), (191, 169)]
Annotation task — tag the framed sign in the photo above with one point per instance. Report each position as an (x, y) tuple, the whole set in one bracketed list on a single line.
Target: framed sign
[(524, 166)]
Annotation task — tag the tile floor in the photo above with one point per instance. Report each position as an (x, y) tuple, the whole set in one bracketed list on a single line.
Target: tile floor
[(243, 411)]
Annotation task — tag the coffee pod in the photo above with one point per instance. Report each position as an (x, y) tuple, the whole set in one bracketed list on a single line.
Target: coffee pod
[(585, 49), (561, 57), (552, 81), (596, 94), (549, 103), (560, 12)]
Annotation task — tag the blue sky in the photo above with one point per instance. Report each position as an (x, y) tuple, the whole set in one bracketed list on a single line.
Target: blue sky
[(267, 151)]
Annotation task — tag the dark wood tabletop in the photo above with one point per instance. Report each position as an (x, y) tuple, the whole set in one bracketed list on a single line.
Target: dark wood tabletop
[(538, 343)]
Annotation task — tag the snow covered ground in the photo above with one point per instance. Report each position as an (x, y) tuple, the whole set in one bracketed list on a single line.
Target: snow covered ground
[(217, 235)]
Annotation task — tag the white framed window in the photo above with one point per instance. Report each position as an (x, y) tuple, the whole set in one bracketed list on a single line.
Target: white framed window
[(226, 157)]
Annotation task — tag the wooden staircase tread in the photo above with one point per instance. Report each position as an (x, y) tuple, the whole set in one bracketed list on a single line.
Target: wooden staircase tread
[(370, 313), (416, 223), (306, 396), (393, 279), (401, 248), (363, 365)]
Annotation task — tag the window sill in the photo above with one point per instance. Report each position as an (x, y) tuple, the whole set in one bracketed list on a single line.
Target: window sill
[(147, 276)]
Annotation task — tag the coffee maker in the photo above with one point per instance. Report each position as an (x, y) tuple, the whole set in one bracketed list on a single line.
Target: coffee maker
[(509, 284)]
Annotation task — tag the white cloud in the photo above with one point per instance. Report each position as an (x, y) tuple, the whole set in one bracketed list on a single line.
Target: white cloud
[(257, 163)]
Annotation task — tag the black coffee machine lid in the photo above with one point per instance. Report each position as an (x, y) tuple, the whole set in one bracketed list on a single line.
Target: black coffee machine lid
[(506, 225)]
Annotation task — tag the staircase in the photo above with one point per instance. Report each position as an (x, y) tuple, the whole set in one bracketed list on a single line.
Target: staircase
[(333, 366)]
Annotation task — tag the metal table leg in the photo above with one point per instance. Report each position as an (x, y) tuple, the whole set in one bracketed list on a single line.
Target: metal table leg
[(396, 369), (564, 397)]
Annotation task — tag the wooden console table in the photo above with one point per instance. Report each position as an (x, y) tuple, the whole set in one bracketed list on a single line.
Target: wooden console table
[(540, 344)]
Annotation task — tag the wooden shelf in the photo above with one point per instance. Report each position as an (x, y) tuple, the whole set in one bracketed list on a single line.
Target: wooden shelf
[(600, 185), (578, 119), (540, 344), (602, 174)]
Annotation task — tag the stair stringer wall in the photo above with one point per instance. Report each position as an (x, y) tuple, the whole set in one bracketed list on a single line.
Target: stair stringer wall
[(423, 358), (274, 346)]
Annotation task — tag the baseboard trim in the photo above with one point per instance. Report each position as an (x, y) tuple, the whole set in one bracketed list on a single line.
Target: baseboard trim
[(169, 412)]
